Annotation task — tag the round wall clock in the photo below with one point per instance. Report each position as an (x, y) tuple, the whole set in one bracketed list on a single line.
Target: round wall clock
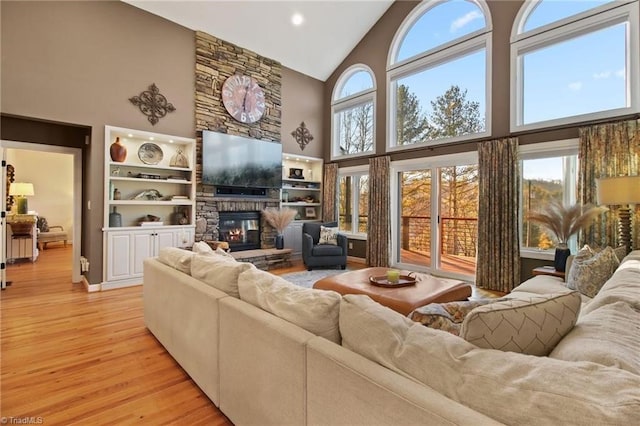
[(243, 98)]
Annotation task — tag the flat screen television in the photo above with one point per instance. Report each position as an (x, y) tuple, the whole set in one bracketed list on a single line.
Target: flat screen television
[(237, 161)]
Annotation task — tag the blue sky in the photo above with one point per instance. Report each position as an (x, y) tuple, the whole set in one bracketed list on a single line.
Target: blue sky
[(574, 77)]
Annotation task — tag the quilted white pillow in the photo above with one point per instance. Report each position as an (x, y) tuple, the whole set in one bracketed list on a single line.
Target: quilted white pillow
[(219, 272), (201, 247), (176, 258), (314, 310), (533, 326)]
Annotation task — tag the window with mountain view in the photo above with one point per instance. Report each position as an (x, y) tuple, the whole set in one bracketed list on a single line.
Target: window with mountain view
[(546, 176), (353, 202), (353, 112), (574, 61), (438, 74)]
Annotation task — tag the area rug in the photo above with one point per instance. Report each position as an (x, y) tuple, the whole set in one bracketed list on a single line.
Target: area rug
[(308, 278)]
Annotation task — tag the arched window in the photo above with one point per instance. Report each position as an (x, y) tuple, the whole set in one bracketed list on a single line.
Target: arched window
[(573, 62), (353, 112), (438, 74)]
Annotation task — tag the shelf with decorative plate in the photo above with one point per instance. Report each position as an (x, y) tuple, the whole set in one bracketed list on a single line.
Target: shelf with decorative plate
[(149, 199)]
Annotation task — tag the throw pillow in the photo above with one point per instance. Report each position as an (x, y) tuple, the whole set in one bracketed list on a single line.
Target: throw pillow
[(201, 247), (533, 326), (589, 273), (446, 316), (314, 310), (219, 272), (328, 235), (42, 224), (176, 258)]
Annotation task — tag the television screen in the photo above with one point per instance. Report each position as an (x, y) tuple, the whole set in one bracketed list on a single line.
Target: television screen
[(229, 160)]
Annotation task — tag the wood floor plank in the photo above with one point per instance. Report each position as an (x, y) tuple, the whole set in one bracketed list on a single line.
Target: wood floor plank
[(73, 357)]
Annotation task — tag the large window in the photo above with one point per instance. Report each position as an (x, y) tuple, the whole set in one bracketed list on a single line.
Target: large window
[(353, 112), (353, 201), (574, 61), (437, 74), (549, 172), (436, 226)]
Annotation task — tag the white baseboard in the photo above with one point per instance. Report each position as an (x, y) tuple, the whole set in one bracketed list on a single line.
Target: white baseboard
[(90, 287)]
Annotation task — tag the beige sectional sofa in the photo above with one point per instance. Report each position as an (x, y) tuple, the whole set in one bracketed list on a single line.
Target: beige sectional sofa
[(285, 355)]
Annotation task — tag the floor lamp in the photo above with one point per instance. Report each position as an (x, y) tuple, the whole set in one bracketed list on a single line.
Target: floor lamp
[(620, 191)]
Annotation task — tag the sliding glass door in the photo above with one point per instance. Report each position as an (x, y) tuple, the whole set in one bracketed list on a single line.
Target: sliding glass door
[(436, 225)]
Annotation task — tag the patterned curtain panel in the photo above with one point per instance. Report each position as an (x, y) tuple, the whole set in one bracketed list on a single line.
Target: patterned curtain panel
[(498, 237), (607, 150), (330, 185), (379, 229)]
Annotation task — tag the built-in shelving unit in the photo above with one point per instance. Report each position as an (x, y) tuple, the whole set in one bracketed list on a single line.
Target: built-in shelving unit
[(152, 190), (302, 185), (301, 191)]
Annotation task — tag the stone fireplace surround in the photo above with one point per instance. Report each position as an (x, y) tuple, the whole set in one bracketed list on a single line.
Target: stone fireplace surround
[(208, 207)]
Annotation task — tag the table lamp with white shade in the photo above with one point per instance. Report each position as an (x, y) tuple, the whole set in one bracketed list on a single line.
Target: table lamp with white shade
[(21, 190), (620, 191)]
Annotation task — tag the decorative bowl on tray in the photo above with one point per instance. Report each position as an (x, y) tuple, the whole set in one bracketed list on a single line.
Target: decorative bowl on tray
[(383, 281)]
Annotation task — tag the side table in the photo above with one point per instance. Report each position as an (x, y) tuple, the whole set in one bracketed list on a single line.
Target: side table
[(548, 270)]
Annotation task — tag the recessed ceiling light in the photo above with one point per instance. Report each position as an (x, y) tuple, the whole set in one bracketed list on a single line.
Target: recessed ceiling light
[(297, 19)]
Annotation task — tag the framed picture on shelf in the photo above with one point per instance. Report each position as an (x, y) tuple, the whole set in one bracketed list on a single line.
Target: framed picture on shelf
[(310, 212), (295, 173)]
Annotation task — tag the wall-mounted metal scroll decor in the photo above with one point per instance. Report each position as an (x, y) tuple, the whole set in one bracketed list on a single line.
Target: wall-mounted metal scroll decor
[(302, 135), (152, 104)]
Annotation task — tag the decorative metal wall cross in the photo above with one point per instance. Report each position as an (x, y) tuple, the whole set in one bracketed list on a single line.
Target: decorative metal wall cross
[(152, 104), (302, 135)]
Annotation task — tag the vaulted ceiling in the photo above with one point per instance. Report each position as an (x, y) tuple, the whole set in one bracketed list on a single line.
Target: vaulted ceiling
[(329, 31)]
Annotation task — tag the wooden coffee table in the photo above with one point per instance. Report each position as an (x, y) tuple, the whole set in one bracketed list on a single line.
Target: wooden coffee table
[(428, 289)]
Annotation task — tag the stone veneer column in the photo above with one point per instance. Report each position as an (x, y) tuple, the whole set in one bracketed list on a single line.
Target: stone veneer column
[(216, 60)]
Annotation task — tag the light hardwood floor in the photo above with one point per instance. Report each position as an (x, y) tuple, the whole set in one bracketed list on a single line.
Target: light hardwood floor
[(72, 357)]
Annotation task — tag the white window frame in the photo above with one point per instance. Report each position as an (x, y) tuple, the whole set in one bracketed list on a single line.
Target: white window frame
[(560, 148), (339, 105), (447, 52), (556, 32), (353, 172), (432, 163)]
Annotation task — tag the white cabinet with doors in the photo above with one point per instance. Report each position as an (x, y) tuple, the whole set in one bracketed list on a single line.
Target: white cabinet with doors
[(149, 200)]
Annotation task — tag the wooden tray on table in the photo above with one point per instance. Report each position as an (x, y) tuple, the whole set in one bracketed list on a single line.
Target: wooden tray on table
[(382, 281)]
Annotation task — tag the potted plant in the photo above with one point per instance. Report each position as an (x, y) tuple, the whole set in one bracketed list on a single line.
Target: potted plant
[(279, 219), (563, 222)]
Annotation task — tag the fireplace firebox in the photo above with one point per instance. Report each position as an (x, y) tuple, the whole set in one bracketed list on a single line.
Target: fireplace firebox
[(240, 229)]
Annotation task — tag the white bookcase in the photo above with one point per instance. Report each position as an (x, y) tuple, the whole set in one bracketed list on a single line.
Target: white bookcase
[(155, 202), (303, 195), (302, 192)]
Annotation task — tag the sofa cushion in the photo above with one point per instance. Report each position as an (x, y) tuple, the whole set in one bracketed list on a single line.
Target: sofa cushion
[(176, 258), (589, 271), (608, 336), (219, 272), (533, 326), (326, 250), (510, 387), (314, 310), (446, 316)]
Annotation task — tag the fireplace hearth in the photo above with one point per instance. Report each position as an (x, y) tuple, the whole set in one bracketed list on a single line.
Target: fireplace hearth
[(240, 229)]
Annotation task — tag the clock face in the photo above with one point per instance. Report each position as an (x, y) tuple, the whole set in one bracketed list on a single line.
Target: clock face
[(243, 98)]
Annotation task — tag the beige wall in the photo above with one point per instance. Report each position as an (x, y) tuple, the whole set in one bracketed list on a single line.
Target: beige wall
[(80, 62), (302, 101), (53, 190)]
